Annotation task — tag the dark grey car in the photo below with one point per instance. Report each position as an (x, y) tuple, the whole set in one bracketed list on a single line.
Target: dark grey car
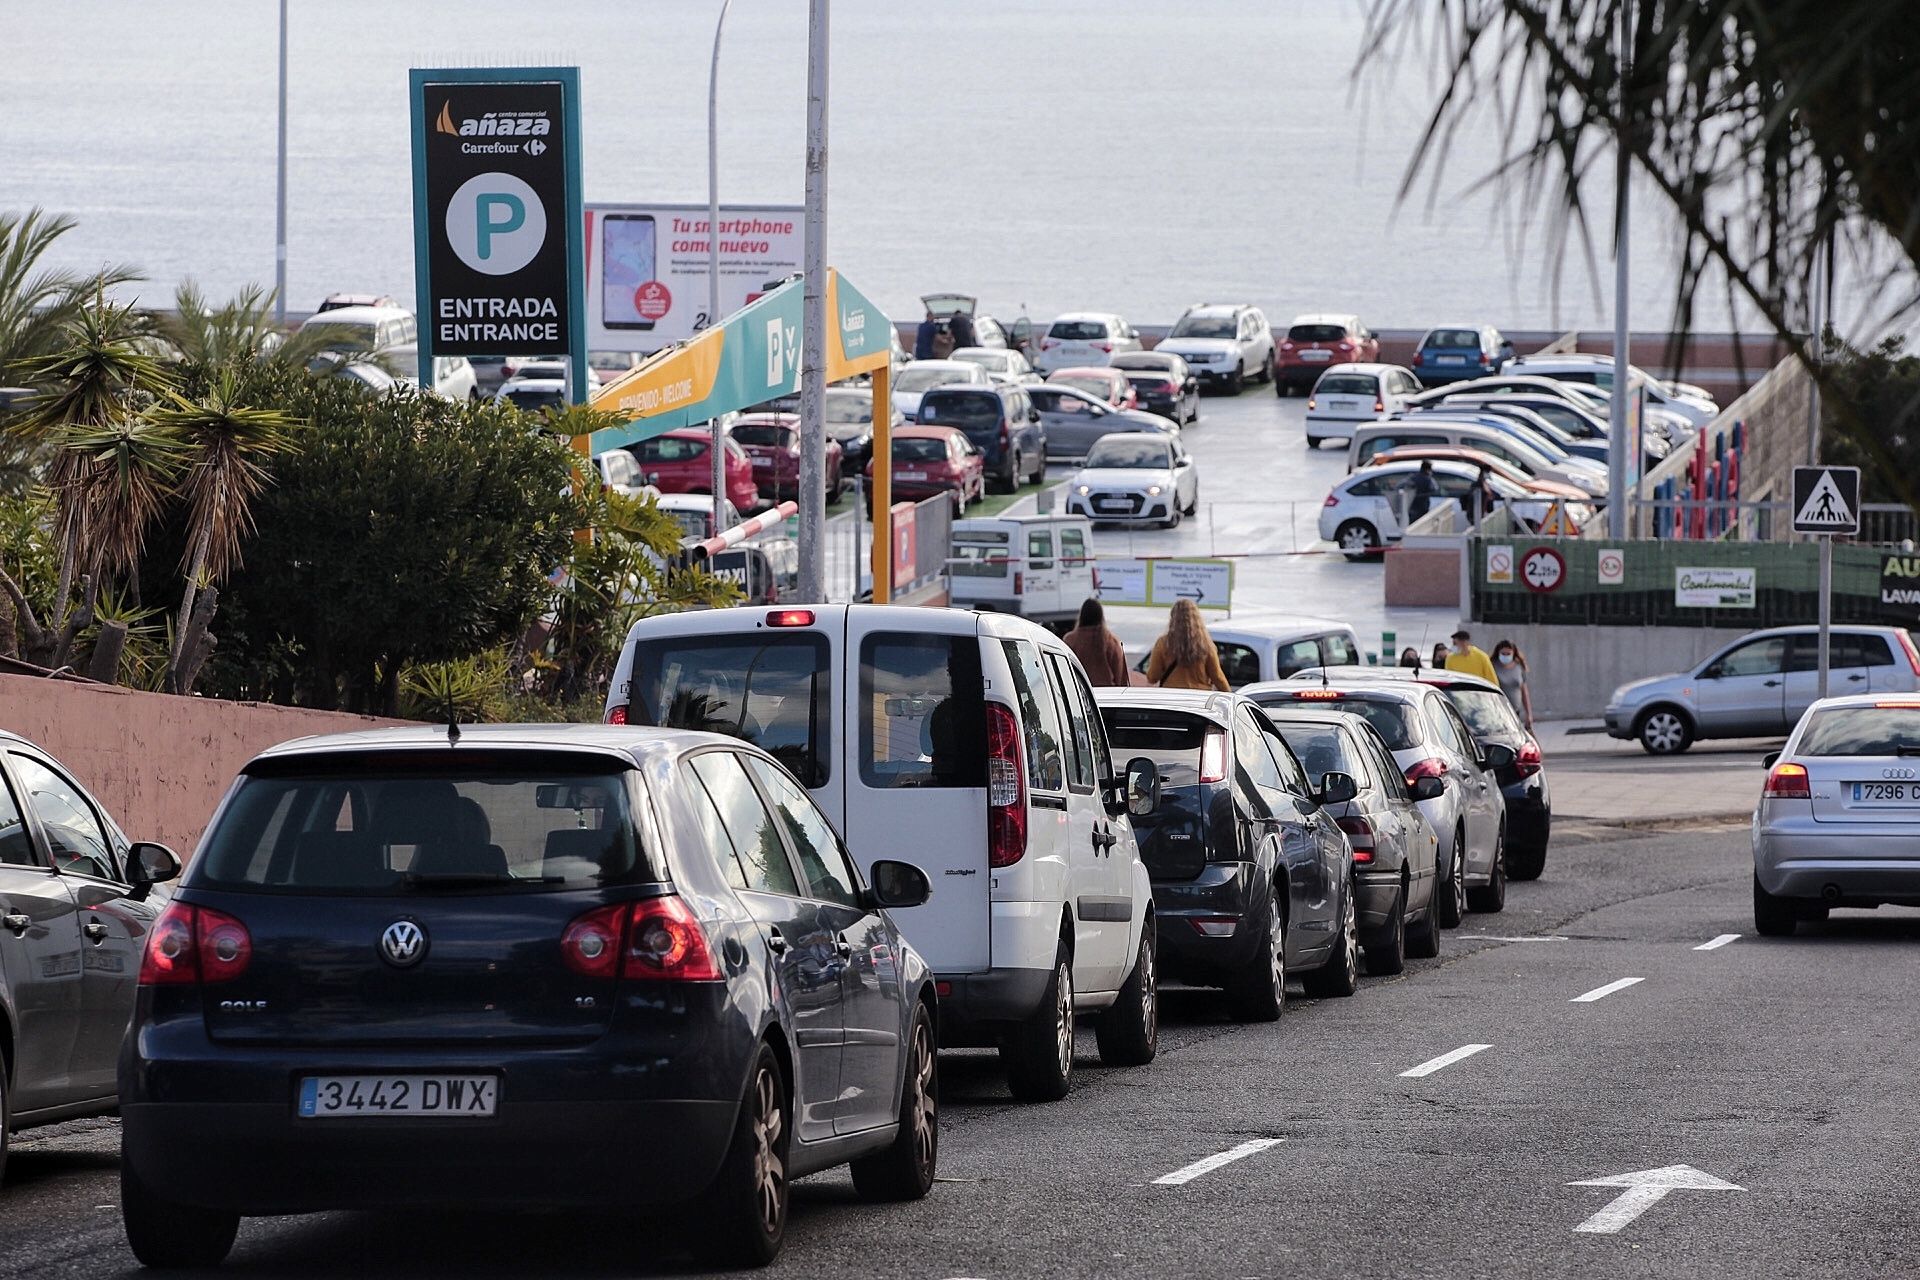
[(1395, 855), (1075, 421)]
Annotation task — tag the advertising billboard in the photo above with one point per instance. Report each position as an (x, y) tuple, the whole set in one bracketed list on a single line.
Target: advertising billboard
[(647, 268), (497, 211)]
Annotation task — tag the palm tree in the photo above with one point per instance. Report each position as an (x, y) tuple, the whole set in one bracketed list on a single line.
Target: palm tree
[(240, 334), (36, 303), (225, 442)]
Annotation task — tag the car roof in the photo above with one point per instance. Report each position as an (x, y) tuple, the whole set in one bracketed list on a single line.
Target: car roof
[(766, 417), (534, 384), (1436, 677), (925, 431), (1085, 315), (1217, 308), (1153, 437), (1363, 366), (685, 502), (1076, 369), (979, 351), (1276, 628), (1208, 703), (636, 743), (357, 315), (1326, 317), (1404, 691), (1851, 701), (1395, 468), (941, 364)]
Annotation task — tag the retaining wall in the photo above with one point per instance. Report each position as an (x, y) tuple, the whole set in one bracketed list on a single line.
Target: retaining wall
[(1572, 670)]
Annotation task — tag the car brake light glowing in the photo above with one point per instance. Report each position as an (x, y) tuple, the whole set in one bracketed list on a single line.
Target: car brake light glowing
[(1006, 789), (1431, 767), (1527, 761), (1317, 695), (1788, 781), (617, 714), (1213, 757), (1913, 652), (591, 944), (191, 944), (664, 940), (1908, 704), (1360, 836), (790, 618)]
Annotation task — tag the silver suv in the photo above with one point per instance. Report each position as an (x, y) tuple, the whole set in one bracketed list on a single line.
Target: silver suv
[(1225, 343), (1758, 686)]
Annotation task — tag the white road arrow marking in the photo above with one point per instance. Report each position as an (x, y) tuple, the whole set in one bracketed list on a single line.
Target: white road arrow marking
[(1717, 943), (1644, 1190)]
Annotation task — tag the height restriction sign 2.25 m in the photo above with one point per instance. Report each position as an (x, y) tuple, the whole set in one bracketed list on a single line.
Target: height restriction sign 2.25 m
[(497, 241)]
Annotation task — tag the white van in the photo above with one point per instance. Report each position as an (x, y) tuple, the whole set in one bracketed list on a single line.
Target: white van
[(971, 739), (1039, 567)]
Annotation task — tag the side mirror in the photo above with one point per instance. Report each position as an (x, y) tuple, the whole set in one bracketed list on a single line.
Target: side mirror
[(900, 884), (1143, 787), (1429, 788), (1497, 755), (1770, 759), (149, 864), (1336, 788)]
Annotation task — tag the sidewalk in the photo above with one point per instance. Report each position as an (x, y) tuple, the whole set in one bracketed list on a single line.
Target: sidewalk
[(1596, 778)]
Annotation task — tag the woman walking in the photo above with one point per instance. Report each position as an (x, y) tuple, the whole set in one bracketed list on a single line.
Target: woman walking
[(1098, 649), (1185, 657), (1511, 666)]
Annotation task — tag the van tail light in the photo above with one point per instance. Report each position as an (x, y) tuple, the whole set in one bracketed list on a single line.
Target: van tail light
[(1360, 836), (1788, 781), (1213, 758), (1006, 789), (1431, 767), (189, 945), (1913, 653), (617, 714), (1527, 761), (1019, 581), (1006, 432)]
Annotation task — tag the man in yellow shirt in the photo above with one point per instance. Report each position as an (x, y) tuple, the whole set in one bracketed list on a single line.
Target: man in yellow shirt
[(1470, 660)]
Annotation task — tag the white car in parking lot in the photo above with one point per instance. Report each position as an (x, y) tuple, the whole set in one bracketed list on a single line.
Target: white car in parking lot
[(1135, 477), (921, 376), (1690, 402), (1348, 394), (1003, 364), (1363, 512), (1084, 338), (1227, 344)]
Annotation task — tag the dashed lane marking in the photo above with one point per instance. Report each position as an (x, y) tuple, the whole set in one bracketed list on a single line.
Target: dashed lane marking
[(1601, 993), (1432, 1065), (1717, 943), (1179, 1177)]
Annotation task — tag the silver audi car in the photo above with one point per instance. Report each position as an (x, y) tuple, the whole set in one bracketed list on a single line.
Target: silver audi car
[(1838, 823)]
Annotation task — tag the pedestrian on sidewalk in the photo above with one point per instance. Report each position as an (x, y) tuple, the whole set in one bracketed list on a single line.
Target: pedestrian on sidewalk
[(1510, 665), (1424, 487), (1410, 657), (1185, 657), (1470, 660), (1098, 649)]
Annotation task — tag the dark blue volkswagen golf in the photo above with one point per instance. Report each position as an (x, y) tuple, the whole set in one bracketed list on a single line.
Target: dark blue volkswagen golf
[(533, 966)]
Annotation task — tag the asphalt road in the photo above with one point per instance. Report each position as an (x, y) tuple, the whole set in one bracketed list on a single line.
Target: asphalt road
[(1781, 1067)]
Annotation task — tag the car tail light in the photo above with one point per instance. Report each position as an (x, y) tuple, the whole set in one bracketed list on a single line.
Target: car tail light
[(790, 618), (1333, 500), (943, 989), (1343, 345), (1417, 358), (1379, 405), (1103, 346), (1213, 758), (1486, 361), (1313, 402), (1006, 432), (591, 944), (664, 941), (617, 714), (1431, 767), (1788, 781), (1006, 789), (1913, 653), (1287, 345), (1527, 761), (1360, 836), (190, 944), (1047, 344)]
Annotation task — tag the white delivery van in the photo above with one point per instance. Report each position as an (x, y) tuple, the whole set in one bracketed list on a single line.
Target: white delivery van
[(971, 740), (1039, 567)]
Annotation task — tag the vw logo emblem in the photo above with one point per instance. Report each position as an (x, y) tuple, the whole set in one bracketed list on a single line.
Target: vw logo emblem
[(1897, 773), (404, 944)]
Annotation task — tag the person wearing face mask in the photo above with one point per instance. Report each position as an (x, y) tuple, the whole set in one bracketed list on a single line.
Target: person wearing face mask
[(1470, 660), (1439, 657), (1510, 665), (1410, 658)]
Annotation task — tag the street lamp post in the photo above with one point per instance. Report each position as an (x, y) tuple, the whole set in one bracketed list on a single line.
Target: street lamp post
[(1618, 457), (718, 448), (280, 200), (813, 351)]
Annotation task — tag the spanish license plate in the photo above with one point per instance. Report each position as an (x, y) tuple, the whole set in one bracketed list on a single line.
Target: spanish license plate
[(1449, 359), (1316, 355), (334, 1097), (909, 475), (1340, 404), (1886, 793)]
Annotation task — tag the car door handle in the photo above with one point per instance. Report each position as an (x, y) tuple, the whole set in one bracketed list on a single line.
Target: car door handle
[(17, 921), (844, 947), (1856, 677), (1770, 684), (95, 930), (776, 942), (1104, 839)]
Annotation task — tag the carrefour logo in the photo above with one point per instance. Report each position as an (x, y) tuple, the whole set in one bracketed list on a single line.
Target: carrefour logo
[(496, 223)]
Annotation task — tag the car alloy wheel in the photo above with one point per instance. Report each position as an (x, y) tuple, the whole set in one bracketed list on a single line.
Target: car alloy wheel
[(1149, 994), (921, 1104), (1063, 1015), (1356, 538), (1277, 950), (769, 1169), (1663, 733), (1459, 879)]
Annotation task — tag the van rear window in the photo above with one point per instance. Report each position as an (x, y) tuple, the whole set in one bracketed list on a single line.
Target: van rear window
[(771, 690), (979, 553), (921, 711)]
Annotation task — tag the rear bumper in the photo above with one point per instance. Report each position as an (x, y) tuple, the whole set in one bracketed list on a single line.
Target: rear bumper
[(1841, 863), (1224, 893), (1374, 895), (1529, 813)]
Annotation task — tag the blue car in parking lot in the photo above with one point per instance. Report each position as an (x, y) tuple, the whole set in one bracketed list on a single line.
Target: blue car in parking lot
[(1456, 352)]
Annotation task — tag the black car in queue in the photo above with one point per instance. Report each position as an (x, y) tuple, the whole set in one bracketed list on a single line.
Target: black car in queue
[(1162, 382), (1252, 878), (1396, 858), (522, 967)]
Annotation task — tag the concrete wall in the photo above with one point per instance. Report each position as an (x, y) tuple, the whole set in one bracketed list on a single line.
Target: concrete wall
[(1423, 577), (157, 762), (1571, 670)]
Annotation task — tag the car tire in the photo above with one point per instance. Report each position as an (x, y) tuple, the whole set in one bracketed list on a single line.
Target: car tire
[(1773, 917), (1358, 540), (1664, 731), (1258, 993), (1238, 382), (1313, 442), (1266, 370), (1128, 1031), (905, 1170), (746, 1204), (1423, 935), (1039, 473), (1280, 387), (1193, 507), (1038, 1053), (1387, 953), (1526, 864), (1492, 896), (1450, 895), (6, 1117), (165, 1234), (1340, 975)]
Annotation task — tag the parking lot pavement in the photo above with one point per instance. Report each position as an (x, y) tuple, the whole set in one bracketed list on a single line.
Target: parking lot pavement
[(1610, 780), (1304, 1148)]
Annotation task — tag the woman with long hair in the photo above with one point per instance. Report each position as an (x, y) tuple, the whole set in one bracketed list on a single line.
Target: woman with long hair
[(1185, 657), (1098, 649), (1511, 666)]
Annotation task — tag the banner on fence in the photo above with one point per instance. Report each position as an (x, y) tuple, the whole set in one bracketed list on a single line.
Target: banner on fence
[(1715, 588)]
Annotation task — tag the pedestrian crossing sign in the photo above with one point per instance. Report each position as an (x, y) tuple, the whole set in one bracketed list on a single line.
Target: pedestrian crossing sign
[(1826, 500)]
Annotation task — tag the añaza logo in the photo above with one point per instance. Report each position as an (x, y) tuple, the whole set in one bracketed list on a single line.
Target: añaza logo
[(493, 124)]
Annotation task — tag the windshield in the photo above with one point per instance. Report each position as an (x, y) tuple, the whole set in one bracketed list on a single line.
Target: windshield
[(1099, 388), (919, 449), (1317, 333), (762, 433), (398, 823), (1862, 731), (921, 378), (1129, 455), (1486, 711), (771, 691), (847, 411), (980, 412), (1393, 719), (1205, 327), (1452, 338)]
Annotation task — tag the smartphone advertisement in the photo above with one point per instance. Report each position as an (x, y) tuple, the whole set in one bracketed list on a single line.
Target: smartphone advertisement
[(647, 281)]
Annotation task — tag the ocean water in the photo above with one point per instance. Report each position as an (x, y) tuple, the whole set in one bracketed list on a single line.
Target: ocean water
[(1049, 155)]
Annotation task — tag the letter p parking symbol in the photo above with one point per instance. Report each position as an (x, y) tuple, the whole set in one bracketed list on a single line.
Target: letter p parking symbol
[(496, 223), (515, 211)]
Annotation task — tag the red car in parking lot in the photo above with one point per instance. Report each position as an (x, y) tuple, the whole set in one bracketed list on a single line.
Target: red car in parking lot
[(1315, 342), (677, 462), (934, 460), (771, 442)]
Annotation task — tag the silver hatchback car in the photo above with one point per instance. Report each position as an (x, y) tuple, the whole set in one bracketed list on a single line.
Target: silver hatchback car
[(1838, 824)]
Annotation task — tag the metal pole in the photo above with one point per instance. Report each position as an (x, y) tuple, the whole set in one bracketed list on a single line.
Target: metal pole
[(1618, 444), (1826, 607), (881, 498), (1822, 303), (813, 348), (718, 448), (280, 200)]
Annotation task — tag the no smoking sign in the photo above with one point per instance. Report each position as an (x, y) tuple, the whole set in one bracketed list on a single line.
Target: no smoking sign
[(1543, 569)]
